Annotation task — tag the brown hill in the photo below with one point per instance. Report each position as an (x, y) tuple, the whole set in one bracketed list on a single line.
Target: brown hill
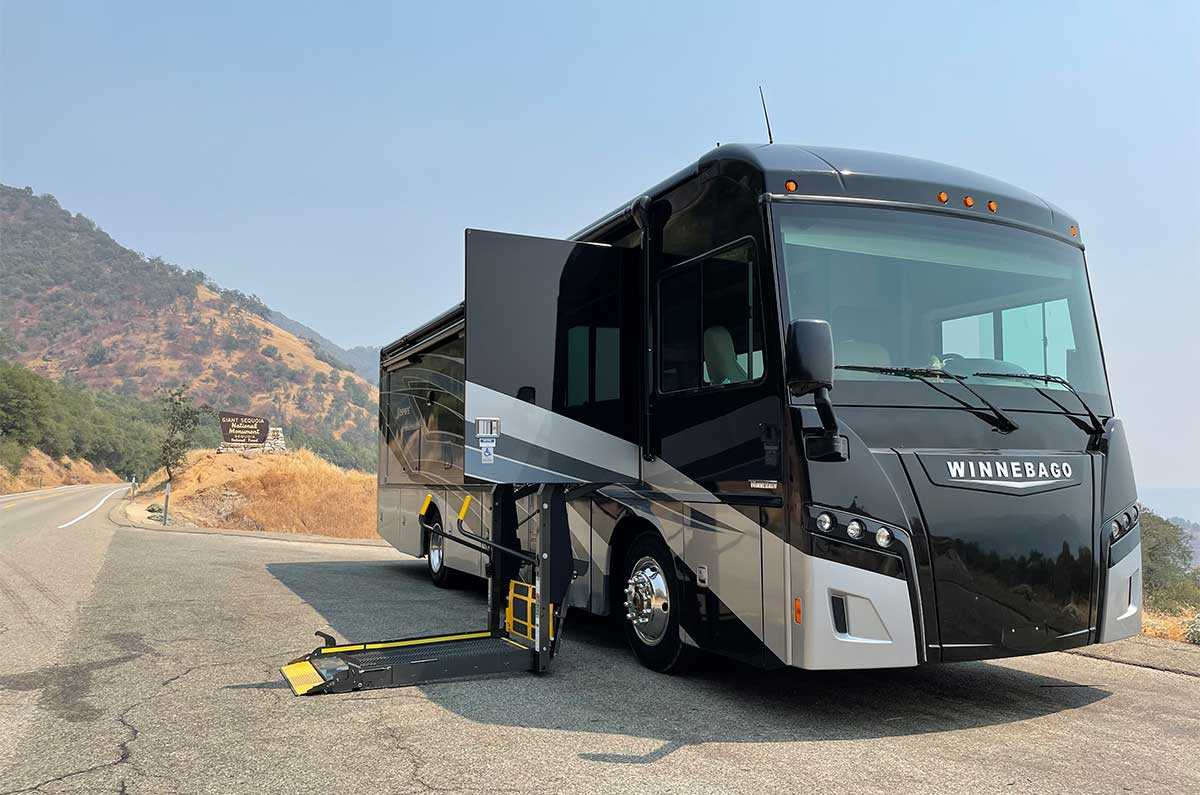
[(77, 304), (294, 493), (40, 471)]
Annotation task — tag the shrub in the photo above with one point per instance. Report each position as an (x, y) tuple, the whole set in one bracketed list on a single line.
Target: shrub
[(97, 355), (1170, 581), (1192, 633), (12, 453)]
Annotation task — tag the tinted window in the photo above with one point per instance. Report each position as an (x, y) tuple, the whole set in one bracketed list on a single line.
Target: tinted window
[(421, 409), (608, 363), (579, 371), (920, 290), (679, 321), (710, 334)]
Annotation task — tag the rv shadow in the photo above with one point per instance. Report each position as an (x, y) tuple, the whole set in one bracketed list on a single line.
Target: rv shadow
[(596, 685)]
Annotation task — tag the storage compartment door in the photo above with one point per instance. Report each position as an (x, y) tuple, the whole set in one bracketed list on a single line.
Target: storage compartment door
[(552, 360)]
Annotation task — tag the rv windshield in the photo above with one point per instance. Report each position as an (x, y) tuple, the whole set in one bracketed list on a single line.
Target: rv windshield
[(914, 289)]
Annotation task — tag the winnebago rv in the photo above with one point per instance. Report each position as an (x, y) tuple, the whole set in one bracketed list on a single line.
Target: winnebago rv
[(835, 409)]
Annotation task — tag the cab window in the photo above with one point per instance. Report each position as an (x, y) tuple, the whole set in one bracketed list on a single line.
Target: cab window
[(710, 331)]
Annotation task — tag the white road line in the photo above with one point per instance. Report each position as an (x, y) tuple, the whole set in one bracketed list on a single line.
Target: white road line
[(19, 494), (94, 509)]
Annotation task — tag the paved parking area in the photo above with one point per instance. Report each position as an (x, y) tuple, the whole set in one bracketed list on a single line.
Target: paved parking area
[(135, 660)]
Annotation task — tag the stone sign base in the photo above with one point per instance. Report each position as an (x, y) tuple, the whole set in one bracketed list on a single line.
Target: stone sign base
[(275, 444)]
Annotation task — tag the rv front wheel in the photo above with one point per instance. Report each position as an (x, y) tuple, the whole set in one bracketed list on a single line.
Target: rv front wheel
[(650, 603)]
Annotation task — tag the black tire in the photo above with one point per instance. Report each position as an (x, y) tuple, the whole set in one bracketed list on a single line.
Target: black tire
[(435, 561), (668, 654)]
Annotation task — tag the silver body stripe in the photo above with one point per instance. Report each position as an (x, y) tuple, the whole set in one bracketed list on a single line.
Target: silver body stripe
[(542, 428)]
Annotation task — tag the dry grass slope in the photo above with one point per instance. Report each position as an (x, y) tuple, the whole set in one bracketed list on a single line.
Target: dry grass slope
[(40, 471), (294, 493), (1166, 625)]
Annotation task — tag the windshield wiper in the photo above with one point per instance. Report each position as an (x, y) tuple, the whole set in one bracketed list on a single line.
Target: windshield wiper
[(1097, 425), (1003, 422)]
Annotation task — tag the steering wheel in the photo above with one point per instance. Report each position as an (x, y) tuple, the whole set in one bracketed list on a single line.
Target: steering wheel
[(948, 358)]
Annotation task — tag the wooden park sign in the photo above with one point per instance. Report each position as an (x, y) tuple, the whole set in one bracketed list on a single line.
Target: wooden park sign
[(243, 429)]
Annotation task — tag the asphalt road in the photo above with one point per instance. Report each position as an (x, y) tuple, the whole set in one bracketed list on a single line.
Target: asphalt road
[(137, 660)]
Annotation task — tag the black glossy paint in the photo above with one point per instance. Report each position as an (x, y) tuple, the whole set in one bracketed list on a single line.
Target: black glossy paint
[(855, 555), (1000, 571), (1013, 571), (858, 485), (1120, 489)]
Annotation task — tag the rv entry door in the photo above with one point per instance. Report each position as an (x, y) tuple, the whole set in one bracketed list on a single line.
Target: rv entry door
[(552, 352)]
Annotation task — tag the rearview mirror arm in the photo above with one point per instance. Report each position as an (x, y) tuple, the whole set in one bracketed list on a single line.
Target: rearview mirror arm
[(829, 445), (825, 410)]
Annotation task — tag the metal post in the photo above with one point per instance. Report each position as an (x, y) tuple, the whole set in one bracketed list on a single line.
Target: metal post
[(554, 574), (497, 566), (166, 502)]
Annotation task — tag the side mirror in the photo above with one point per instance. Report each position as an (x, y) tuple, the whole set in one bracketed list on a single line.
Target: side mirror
[(809, 361), (809, 357)]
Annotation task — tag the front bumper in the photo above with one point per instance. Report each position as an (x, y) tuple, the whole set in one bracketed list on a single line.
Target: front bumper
[(851, 618), (1121, 598)]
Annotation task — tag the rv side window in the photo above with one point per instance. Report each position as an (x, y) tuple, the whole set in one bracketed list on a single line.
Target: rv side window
[(709, 332), (400, 432)]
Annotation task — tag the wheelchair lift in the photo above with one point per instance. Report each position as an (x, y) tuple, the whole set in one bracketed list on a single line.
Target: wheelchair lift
[(527, 592)]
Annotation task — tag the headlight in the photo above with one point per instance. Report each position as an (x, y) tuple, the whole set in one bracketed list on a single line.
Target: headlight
[(883, 537), (855, 529), (1115, 529), (824, 523)]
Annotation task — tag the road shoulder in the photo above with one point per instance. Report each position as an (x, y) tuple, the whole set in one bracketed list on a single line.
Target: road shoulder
[(1157, 653), (130, 515)]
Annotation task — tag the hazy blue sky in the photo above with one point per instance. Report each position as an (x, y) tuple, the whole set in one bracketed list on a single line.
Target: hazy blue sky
[(328, 156)]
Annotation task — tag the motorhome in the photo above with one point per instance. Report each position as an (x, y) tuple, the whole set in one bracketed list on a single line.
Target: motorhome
[(840, 409)]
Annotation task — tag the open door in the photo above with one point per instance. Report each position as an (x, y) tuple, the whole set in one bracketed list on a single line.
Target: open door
[(552, 352)]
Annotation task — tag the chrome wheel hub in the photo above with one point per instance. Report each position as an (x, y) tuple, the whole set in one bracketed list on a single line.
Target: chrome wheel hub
[(437, 550), (648, 601)]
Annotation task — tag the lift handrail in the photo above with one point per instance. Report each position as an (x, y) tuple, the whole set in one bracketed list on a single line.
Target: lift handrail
[(485, 546), (516, 553)]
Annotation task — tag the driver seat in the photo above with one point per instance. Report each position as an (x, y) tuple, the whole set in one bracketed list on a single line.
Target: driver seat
[(720, 357)]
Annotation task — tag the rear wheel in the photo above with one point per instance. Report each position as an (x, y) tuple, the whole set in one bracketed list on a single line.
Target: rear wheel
[(435, 557), (652, 598)]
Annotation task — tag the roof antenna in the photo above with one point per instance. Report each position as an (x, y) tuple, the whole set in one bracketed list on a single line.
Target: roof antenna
[(770, 139)]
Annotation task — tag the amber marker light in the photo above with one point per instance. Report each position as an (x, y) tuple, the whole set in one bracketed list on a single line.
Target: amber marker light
[(992, 206), (790, 186), (799, 614), (969, 201), (1074, 231), (943, 197)]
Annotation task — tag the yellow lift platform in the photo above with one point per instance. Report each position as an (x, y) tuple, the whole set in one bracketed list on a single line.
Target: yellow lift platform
[(522, 615)]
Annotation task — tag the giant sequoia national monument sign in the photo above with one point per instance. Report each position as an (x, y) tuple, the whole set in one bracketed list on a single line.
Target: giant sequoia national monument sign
[(243, 428)]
